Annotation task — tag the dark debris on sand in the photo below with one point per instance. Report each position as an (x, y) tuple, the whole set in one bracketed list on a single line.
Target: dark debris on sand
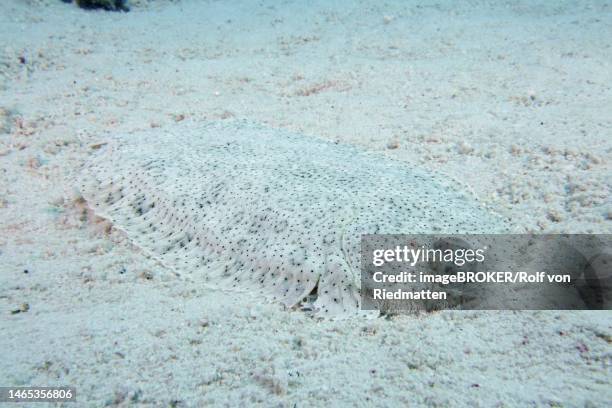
[(109, 5)]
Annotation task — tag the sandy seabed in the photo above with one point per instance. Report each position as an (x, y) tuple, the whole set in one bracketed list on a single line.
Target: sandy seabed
[(512, 99)]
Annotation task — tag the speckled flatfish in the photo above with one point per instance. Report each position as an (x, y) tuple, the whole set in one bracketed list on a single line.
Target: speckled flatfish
[(242, 206)]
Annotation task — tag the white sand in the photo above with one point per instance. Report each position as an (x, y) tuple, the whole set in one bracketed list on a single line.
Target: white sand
[(515, 100)]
